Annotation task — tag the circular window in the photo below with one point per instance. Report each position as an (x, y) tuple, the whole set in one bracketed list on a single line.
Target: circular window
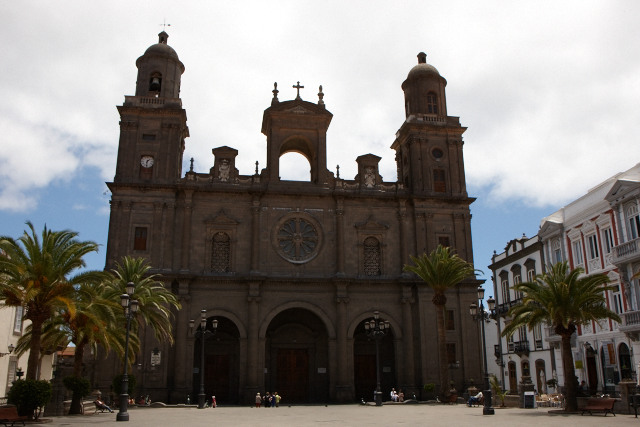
[(437, 153), (297, 239)]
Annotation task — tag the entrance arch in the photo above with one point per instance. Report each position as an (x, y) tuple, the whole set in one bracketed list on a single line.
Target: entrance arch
[(513, 378), (297, 357), (221, 363), (624, 358), (364, 364)]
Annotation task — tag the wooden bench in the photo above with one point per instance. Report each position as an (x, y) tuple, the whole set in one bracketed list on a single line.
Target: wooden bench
[(9, 415), (599, 404), (101, 407)]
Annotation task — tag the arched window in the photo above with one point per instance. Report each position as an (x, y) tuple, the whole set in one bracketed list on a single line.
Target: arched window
[(221, 253), (432, 103), (155, 82), (372, 257)]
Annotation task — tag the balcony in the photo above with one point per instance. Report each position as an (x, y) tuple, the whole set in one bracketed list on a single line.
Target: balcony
[(631, 324), (627, 252), (521, 347), (502, 309), (496, 351), (551, 335)]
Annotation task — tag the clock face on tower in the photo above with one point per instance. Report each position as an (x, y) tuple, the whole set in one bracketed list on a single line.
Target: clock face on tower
[(146, 161)]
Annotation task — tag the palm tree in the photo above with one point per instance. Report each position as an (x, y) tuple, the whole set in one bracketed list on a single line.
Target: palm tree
[(441, 270), (562, 299), (35, 274), (155, 302)]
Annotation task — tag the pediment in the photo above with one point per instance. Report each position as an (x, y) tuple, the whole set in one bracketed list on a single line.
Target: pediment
[(621, 188), (221, 218), (371, 224)]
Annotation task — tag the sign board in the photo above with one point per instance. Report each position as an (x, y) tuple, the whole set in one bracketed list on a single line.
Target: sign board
[(155, 357), (529, 399)]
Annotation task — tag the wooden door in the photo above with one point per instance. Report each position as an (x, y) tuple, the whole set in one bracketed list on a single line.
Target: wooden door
[(216, 378), (513, 379), (292, 378), (364, 367)]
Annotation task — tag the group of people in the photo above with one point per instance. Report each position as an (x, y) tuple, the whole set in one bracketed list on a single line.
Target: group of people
[(396, 396), (269, 400)]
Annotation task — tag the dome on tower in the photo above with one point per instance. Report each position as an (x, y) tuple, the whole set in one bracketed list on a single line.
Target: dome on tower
[(162, 48), (422, 69)]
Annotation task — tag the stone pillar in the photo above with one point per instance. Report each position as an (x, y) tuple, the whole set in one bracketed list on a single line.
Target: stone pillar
[(253, 366), (408, 375), (340, 237), (344, 389), (186, 231), (255, 235), (182, 366), (169, 231)]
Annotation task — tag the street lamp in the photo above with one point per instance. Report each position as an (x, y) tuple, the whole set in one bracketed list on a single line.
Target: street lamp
[(484, 316), (203, 331), (130, 307), (376, 328), (10, 348)]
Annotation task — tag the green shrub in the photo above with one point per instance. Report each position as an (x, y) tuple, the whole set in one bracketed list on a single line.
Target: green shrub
[(78, 385), (30, 396), (117, 384)]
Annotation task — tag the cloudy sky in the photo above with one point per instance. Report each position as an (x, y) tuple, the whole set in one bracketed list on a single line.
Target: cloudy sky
[(548, 90)]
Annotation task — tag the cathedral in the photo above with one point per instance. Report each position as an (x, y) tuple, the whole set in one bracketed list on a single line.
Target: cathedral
[(291, 270)]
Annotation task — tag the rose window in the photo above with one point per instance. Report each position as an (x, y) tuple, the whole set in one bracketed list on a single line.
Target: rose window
[(297, 240)]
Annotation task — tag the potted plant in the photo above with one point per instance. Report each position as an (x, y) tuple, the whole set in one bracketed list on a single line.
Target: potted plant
[(429, 391), (497, 389)]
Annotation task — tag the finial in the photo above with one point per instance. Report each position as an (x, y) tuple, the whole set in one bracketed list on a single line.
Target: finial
[(337, 168), (256, 167), (275, 94), (320, 96), (298, 87), (422, 58), (191, 168), (163, 37)]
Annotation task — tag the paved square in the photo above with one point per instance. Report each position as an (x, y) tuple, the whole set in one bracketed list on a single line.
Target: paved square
[(345, 415)]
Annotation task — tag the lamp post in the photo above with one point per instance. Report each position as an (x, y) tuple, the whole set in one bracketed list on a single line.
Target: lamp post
[(484, 316), (11, 347), (376, 328), (203, 331), (130, 307)]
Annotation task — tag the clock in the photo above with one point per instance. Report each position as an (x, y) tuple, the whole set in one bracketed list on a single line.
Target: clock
[(146, 162)]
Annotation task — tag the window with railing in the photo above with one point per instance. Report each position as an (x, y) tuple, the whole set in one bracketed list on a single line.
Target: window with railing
[(577, 252), (504, 287), (617, 300), (607, 240), (633, 219), (593, 251), (537, 336)]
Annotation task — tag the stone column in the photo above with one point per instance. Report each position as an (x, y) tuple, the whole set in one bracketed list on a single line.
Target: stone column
[(344, 389), (255, 235), (182, 360), (408, 374), (169, 231), (340, 237), (253, 366), (186, 231)]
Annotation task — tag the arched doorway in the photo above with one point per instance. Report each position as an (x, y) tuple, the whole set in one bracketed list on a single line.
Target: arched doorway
[(624, 357), (221, 363), (513, 378), (364, 364), (296, 357)]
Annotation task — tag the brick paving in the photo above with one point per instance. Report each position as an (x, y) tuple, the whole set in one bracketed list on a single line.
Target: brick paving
[(344, 415)]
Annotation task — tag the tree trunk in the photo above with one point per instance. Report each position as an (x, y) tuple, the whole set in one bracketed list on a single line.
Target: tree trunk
[(34, 350), (76, 400), (570, 381), (442, 350)]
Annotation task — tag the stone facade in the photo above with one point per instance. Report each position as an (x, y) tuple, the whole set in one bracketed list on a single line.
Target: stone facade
[(292, 269)]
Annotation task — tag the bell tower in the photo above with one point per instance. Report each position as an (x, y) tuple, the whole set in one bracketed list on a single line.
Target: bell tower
[(428, 145), (153, 124), (297, 126)]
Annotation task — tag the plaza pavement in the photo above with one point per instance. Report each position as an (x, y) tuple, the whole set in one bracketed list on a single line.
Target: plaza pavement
[(344, 416)]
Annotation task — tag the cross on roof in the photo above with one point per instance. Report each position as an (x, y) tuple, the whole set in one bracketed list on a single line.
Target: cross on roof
[(298, 87), (164, 24)]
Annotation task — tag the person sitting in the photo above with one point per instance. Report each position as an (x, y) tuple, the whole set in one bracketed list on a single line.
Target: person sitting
[(101, 405), (475, 400), (393, 395)]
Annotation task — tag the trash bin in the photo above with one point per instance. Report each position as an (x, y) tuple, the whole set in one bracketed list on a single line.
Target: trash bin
[(529, 399)]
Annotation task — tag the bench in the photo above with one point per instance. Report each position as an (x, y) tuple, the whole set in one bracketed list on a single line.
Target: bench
[(9, 415), (599, 404), (100, 407)]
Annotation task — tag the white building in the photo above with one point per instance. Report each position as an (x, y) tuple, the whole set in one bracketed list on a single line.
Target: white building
[(524, 356), (11, 319), (587, 233)]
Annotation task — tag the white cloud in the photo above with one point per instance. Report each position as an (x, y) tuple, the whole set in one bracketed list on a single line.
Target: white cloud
[(548, 90)]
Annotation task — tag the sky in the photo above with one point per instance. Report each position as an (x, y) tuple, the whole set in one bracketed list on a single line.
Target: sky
[(548, 91)]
